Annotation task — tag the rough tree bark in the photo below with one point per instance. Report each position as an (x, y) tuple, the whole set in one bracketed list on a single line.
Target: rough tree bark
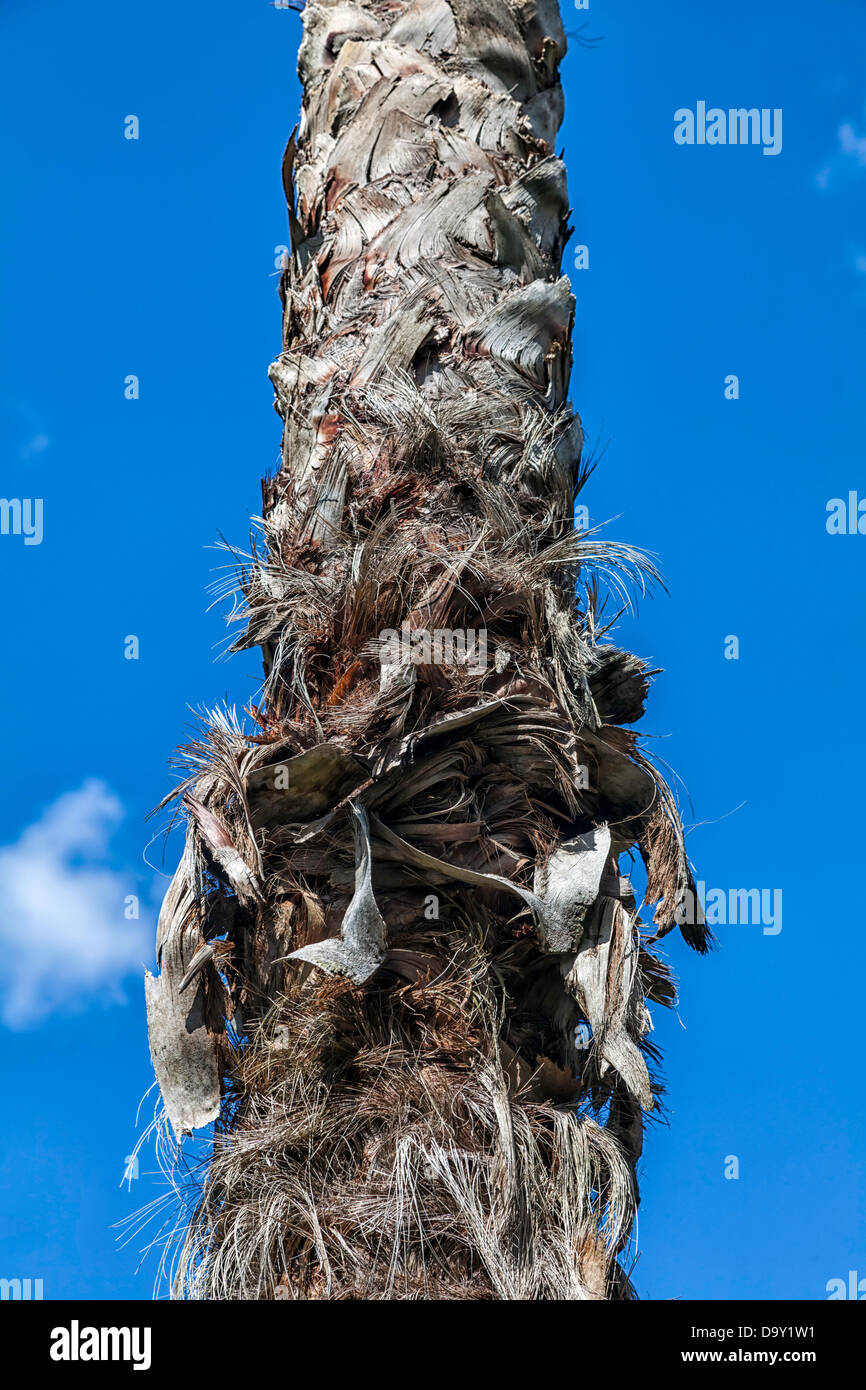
[(404, 890)]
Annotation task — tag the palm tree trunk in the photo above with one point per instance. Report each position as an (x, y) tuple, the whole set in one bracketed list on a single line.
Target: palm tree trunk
[(404, 890)]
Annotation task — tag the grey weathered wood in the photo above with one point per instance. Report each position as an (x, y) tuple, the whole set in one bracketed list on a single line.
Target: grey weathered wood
[(362, 944), (183, 1052), (603, 977), (569, 882), (306, 785)]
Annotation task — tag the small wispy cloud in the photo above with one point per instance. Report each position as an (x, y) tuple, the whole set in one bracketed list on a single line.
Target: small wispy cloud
[(64, 938), (850, 156), (23, 433), (37, 445)]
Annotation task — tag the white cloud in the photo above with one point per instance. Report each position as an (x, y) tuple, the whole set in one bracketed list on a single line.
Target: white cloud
[(37, 445), (63, 935), (853, 145), (850, 154)]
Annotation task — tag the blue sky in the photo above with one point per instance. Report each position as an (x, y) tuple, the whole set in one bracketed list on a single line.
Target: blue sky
[(156, 258)]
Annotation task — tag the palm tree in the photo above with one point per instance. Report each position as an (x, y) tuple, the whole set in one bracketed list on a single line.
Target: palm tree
[(400, 963)]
